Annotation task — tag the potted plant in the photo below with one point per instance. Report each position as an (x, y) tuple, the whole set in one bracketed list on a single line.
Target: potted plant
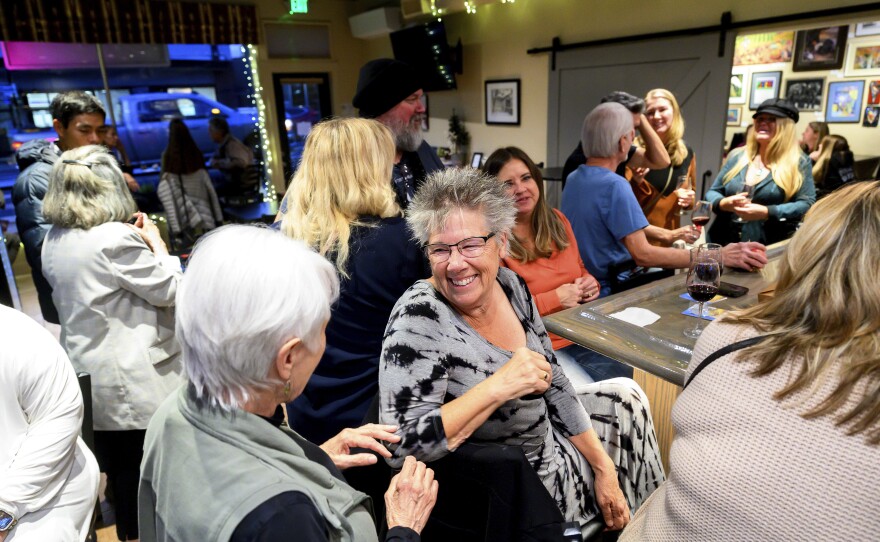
[(459, 137)]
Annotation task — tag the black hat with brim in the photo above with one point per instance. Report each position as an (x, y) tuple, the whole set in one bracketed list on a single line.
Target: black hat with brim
[(778, 107), (382, 84)]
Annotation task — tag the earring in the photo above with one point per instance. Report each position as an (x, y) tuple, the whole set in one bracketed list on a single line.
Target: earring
[(286, 389)]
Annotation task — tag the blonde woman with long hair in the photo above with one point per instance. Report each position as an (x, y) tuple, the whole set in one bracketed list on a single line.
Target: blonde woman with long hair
[(776, 169), (793, 414), (657, 189), (341, 203), (834, 165)]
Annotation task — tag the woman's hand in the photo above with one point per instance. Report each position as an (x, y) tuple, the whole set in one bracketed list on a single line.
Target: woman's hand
[(148, 231), (686, 197), (638, 174), (365, 436), (589, 288), (570, 295), (610, 498), (411, 496), (527, 373), (730, 202), (752, 211)]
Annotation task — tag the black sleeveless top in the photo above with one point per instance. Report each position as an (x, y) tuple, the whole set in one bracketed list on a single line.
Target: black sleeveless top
[(658, 177)]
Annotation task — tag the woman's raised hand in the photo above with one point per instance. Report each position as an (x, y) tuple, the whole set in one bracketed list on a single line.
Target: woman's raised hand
[(148, 231), (527, 373), (411, 496)]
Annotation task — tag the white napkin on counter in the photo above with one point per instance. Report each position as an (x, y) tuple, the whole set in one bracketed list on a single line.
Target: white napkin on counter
[(637, 316)]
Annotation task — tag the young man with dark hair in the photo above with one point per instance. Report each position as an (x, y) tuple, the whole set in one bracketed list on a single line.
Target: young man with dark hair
[(76, 118)]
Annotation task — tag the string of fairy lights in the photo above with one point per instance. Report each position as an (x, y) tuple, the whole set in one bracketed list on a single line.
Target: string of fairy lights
[(256, 95), (470, 7)]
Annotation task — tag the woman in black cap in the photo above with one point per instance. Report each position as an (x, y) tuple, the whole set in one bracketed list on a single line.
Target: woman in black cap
[(776, 169)]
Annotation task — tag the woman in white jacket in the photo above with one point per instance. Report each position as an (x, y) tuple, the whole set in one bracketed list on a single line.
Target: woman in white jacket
[(114, 286), (48, 477)]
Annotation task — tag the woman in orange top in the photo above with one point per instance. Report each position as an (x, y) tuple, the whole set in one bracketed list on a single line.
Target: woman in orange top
[(543, 251)]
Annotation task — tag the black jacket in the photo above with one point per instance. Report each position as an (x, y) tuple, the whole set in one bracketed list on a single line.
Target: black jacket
[(35, 159)]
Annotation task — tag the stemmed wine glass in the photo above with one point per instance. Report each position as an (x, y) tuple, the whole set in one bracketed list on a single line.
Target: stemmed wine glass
[(703, 281), (684, 182), (701, 214), (748, 190)]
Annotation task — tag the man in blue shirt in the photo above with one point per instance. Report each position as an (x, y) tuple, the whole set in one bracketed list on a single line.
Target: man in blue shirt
[(609, 225)]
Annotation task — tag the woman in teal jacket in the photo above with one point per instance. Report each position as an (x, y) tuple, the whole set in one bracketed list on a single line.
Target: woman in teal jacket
[(780, 173)]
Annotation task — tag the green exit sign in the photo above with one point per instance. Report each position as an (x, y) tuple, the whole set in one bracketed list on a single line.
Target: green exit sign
[(299, 6)]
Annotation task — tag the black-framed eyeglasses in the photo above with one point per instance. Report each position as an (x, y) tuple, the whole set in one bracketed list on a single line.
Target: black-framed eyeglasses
[(472, 247)]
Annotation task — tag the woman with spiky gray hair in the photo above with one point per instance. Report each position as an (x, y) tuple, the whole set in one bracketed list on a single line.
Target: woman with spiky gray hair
[(467, 358)]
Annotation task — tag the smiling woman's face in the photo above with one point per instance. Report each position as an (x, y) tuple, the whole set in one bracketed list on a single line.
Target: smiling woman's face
[(765, 128), (466, 282)]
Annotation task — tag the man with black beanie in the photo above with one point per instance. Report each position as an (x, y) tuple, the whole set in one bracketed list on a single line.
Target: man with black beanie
[(390, 92)]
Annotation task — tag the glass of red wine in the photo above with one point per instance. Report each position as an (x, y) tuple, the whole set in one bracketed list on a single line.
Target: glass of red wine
[(703, 280), (748, 190), (701, 214)]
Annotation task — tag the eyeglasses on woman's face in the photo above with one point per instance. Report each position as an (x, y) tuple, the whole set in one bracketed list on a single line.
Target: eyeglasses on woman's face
[(472, 247)]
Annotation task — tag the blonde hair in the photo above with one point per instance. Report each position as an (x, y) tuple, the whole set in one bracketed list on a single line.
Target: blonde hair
[(826, 310), (783, 157), (674, 143), (827, 147), (345, 172), (86, 189)]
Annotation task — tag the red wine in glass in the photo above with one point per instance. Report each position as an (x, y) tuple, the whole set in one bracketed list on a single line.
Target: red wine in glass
[(703, 281), (700, 220), (702, 292)]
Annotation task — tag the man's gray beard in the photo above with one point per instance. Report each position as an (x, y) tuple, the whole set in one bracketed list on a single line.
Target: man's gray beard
[(407, 137)]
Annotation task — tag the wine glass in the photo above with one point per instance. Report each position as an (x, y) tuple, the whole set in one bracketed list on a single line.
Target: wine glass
[(701, 214), (683, 183), (748, 190), (703, 281)]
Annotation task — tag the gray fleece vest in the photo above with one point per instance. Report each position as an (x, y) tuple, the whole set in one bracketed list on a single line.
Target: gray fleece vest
[(204, 471)]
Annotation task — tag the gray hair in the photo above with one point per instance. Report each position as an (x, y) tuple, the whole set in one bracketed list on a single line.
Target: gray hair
[(449, 190), (86, 189), (634, 104), (603, 128), (248, 290), (67, 105)]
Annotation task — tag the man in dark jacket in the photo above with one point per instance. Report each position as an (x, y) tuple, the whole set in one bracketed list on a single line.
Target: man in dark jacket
[(76, 118), (391, 92)]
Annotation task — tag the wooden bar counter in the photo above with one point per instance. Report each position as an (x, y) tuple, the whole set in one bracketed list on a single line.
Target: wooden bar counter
[(659, 352)]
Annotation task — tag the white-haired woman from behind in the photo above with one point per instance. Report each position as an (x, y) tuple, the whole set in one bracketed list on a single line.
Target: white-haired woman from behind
[(114, 285), (219, 461), (778, 438)]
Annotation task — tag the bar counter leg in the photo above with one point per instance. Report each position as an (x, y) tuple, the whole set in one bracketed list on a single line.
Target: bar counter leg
[(662, 395)]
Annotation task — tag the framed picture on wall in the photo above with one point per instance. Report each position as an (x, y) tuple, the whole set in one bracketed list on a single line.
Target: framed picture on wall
[(805, 94), (765, 85), (738, 80), (763, 48), (426, 122), (820, 48), (868, 29), (872, 115), (502, 102), (734, 115), (844, 102), (862, 57), (874, 93)]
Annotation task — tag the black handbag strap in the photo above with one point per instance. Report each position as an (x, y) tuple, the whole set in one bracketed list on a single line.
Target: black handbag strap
[(739, 345)]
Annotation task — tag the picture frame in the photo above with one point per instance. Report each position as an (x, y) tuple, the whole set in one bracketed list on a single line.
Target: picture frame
[(873, 93), (806, 94), (872, 116), (734, 115), (738, 81), (763, 48), (868, 29), (843, 102), (426, 122), (820, 48), (764, 86), (862, 57), (503, 102)]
